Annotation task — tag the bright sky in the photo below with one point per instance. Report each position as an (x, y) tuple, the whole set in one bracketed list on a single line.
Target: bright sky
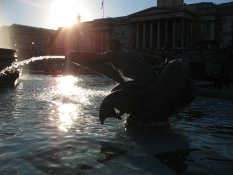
[(57, 13)]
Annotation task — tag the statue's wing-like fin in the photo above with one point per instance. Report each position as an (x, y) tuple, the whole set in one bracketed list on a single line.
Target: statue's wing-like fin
[(97, 63)]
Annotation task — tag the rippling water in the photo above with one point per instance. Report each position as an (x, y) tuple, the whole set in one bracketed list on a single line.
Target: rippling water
[(49, 125)]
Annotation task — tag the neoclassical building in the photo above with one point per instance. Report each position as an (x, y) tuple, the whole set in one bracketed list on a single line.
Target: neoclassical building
[(94, 35), (171, 24), (163, 28), (201, 32), (27, 40)]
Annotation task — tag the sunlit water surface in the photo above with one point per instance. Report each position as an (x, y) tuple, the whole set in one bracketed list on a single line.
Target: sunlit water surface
[(49, 125)]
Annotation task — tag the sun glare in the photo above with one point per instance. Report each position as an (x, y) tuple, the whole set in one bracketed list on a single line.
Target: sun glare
[(67, 116), (64, 13), (66, 84)]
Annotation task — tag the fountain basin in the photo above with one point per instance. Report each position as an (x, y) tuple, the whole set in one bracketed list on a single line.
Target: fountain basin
[(8, 73)]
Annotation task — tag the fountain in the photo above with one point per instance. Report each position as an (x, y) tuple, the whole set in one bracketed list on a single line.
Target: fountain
[(8, 77), (11, 68), (149, 98)]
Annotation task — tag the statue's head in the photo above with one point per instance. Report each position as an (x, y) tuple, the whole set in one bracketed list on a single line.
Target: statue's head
[(105, 113), (109, 105)]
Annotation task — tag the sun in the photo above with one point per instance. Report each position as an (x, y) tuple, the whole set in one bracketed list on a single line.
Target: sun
[(64, 13)]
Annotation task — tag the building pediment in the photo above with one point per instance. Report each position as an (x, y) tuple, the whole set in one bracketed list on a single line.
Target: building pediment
[(159, 13), (152, 11)]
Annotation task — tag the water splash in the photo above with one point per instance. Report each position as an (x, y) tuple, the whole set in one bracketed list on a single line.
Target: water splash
[(15, 65)]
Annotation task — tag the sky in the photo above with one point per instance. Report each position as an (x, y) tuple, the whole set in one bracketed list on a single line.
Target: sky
[(52, 14)]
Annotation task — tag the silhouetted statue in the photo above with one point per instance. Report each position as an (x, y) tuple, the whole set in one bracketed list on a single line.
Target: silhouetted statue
[(145, 95), (156, 103)]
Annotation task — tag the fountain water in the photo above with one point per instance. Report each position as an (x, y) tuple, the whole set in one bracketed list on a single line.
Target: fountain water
[(22, 63), (10, 73)]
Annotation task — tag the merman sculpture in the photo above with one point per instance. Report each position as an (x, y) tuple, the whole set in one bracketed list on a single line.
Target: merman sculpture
[(171, 92), (146, 96)]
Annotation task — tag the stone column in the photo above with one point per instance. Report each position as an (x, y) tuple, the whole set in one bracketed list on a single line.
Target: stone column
[(212, 30), (93, 42), (102, 39), (191, 34), (144, 36), (182, 33), (174, 33), (137, 36), (166, 33), (158, 34), (151, 34)]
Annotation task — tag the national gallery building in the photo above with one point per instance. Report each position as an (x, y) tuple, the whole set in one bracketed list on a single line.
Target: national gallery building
[(171, 24)]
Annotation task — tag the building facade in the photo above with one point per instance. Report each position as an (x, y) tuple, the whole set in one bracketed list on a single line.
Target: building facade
[(159, 28), (202, 25), (201, 32), (94, 35), (169, 25), (28, 41)]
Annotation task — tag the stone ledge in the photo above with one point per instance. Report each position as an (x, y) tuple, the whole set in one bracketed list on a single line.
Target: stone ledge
[(222, 93)]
